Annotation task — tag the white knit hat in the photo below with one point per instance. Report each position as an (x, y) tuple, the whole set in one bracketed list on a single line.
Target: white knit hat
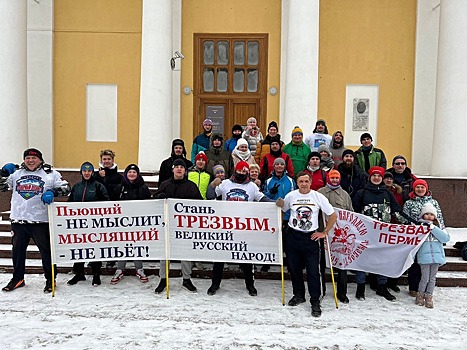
[(241, 141), (428, 208)]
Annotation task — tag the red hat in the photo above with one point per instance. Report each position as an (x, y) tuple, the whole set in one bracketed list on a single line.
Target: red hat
[(201, 155), (242, 165), (334, 173), (420, 182), (376, 170)]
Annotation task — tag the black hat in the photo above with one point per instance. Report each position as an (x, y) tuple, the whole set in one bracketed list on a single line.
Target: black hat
[(33, 152), (348, 151), (320, 121), (398, 157), (178, 142), (314, 154), (365, 135), (237, 127), (273, 124), (276, 138), (131, 167), (178, 162), (388, 174)]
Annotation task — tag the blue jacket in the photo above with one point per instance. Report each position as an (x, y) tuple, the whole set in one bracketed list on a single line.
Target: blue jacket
[(286, 185), (432, 250)]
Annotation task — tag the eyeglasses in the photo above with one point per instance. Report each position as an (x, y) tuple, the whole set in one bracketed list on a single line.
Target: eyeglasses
[(399, 163)]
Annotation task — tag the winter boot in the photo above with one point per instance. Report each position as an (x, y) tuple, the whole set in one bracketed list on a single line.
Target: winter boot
[(296, 300), (160, 288), (213, 289), (75, 279), (48, 286), (420, 299), (188, 285), (96, 280), (343, 298), (383, 292), (12, 285), (117, 277), (142, 276), (251, 290), (360, 294), (429, 301), (315, 308)]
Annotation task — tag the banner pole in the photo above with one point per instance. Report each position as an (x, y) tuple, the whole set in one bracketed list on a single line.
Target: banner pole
[(167, 263), (332, 273), (52, 246), (283, 285)]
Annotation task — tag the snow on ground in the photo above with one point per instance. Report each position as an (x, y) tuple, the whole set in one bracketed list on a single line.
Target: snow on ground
[(129, 316)]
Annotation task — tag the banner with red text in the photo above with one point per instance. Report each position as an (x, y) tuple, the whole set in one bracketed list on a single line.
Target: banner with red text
[(242, 232), (360, 243), (125, 230)]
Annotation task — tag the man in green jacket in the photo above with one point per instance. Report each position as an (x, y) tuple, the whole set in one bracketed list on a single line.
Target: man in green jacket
[(297, 150), (368, 156)]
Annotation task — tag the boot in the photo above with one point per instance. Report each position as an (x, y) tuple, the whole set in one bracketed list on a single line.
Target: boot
[(213, 289), (96, 280), (315, 308), (429, 301), (360, 295), (75, 279), (420, 299), (383, 292), (160, 288)]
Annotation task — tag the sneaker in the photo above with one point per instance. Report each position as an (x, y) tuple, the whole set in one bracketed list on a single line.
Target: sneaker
[(213, 289), (96, 280), (343, 298), (252, 290), (48, 286), (420, 299), (360, 294), (160, 288), (315, 309), (189, 286), (142, 276), (117, 277), (296, 300), (12, 285), (75, 279), (383, 292)]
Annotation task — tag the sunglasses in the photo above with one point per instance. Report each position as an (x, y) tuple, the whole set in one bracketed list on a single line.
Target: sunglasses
[(399, 163)]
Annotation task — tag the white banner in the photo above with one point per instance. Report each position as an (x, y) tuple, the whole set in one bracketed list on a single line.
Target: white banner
[(360, 243), (242, 232), (125, 230)]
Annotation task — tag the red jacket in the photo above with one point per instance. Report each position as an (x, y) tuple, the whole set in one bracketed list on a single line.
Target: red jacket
[(318, 178), (267, 165)]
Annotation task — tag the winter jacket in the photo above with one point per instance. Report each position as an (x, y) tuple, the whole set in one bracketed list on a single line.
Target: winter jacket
[(200, 143), (432, 250), (337, 150), (252, 140), (413, 207), (299, 154), (376, 202), (219, 156), (200, 178), (376, 157), (337, 197), (318, 178), (352, 179), (267, 165), (111, 179), (182, 189), (136, 190), (405, 183), (88, 191), (236, 159), (284, 185), (264, 147), (165, 171), (230, 144)]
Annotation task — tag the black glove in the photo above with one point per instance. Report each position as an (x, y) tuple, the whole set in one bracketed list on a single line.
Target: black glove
[(274, 189), (161, 195)]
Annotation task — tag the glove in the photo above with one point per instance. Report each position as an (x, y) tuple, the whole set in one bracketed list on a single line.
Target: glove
[(47, 197), (280, 202), (8, 169), (161, 195), (274, 189), (216, 182)]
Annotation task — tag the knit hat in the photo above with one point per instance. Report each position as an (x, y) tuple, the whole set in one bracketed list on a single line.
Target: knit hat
[(207, 122), (217, 137), (428, 208), (276, 138), (348, 151), (314, 154), (178, 162), (273, 124), (218, 169), (237, 127), (325, 148), (420, 182), (241, 141), (334, 173), (178, 142), (279, 160), (388, 174), (87, 166), (251, 119), (33, 152), (364, 136), (131, 167), (398, 157), (376, 170), (201, 155), (242, 165), (297, 130)]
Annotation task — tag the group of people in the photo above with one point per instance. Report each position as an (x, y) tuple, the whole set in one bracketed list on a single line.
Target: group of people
[(306, 178)]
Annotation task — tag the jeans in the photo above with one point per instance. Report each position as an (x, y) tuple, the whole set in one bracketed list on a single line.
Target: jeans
[(360, 277)]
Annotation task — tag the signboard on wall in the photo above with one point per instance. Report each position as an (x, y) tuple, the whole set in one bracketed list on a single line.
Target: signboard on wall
[(216, 114), (361, 108)]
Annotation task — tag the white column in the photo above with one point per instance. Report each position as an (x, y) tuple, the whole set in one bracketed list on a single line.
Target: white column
[(156, 109), (13, 80), (299, 65), (451, 91)]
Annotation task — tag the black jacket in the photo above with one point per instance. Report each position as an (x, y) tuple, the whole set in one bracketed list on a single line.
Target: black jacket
[(406, 183), (111, 179), (165, 172), (88, 191), (353, 179), (132, 191), (182, 189)]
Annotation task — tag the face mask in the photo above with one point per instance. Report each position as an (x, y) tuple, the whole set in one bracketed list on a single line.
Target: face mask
[(240, 177)]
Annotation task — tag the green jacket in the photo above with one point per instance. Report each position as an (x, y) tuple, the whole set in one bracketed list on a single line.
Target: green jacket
[(299, 155), (376, 157), (201, 179)]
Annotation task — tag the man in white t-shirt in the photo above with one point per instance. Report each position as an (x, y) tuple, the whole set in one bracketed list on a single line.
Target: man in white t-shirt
[(303, 239), (319, 136)]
